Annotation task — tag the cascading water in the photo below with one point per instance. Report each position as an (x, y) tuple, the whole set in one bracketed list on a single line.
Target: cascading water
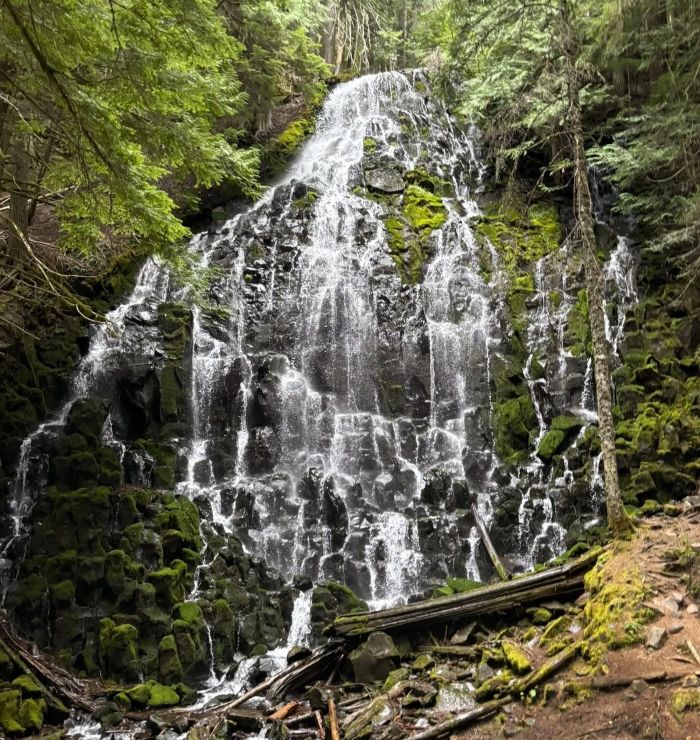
[(332, 480)]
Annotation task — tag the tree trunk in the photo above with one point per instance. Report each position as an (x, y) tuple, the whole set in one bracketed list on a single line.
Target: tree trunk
[(618, 521), (19, 205)]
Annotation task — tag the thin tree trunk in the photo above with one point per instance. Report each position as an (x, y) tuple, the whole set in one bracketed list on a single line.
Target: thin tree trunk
[(618, 521), (19, 204), (6, 121)]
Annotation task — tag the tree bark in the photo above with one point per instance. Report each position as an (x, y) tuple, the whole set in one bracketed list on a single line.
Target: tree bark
[(618, 521), (19, 204)]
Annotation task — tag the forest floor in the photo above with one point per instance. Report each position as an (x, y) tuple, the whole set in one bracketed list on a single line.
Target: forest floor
[(641, 599), (650, 692)]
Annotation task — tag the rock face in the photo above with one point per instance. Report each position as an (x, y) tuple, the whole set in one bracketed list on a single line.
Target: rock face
[(376, 349)]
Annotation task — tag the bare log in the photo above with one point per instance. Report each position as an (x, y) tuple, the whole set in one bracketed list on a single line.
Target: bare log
[(610, 683), (461, 720), (333, 720), (462, 651), (490, 549), (282, 712), (319, 724)]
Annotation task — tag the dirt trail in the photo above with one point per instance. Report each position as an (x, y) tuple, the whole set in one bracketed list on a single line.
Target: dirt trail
[(664, 550)]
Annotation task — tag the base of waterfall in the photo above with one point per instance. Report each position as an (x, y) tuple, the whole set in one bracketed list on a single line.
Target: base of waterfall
[(621, 659)]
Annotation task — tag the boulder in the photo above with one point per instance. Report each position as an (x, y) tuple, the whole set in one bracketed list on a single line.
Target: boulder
[(375, 659), (384, 180)]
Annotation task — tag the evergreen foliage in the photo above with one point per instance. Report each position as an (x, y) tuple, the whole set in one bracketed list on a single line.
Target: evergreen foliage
[(105, 98)]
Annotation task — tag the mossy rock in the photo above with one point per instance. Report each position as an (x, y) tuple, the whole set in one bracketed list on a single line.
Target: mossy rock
[(424, 210), (118, 649), (28, 686), (87, 417), (169, 666), (514, 419), (614, 616), (515, 657), (552, 442), (169, 583), (683, 700)]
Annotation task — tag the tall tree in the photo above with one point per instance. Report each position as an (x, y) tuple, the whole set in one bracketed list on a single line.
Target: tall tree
[(525, 84)]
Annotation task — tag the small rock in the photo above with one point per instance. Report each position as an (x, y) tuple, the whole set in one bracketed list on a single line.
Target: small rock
[(675, 628), (639, 686), (384, 180), (678, 597), (690, 681), (482, 673), (669, 606), (423, 663), (297, 653), (692, 609), (462, 635), (511, 731), (656, 638)]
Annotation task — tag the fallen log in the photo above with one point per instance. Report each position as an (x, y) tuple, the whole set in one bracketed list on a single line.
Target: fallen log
[(610, 683), (490, 549), (461, 720), (565, 579), (73, 692), (276, 686), (494, 688), (333, 720), (460, 651), (282, 712)]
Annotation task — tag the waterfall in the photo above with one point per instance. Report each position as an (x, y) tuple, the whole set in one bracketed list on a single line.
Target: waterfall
[(336, 477), (337, 378)]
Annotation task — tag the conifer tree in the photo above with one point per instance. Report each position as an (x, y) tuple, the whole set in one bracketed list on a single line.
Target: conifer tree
[(523, 72)]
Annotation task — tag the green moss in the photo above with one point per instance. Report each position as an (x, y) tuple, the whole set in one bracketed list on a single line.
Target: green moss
[(169, 583), (27, 685), (567, 424), (515, 657), (9, 712), (441, 591), (513, 421), (306, 201), (62, 594), (615, 615), (684, 699), (577, 336), (369, 144), (550, 444), (539, 615), (163, 696), (433, 184), (140, 694), (189, 612), (424, 210), (31, 714), (521, 235), (462, 585), (395, 677), (118, 649), (169, 666)]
